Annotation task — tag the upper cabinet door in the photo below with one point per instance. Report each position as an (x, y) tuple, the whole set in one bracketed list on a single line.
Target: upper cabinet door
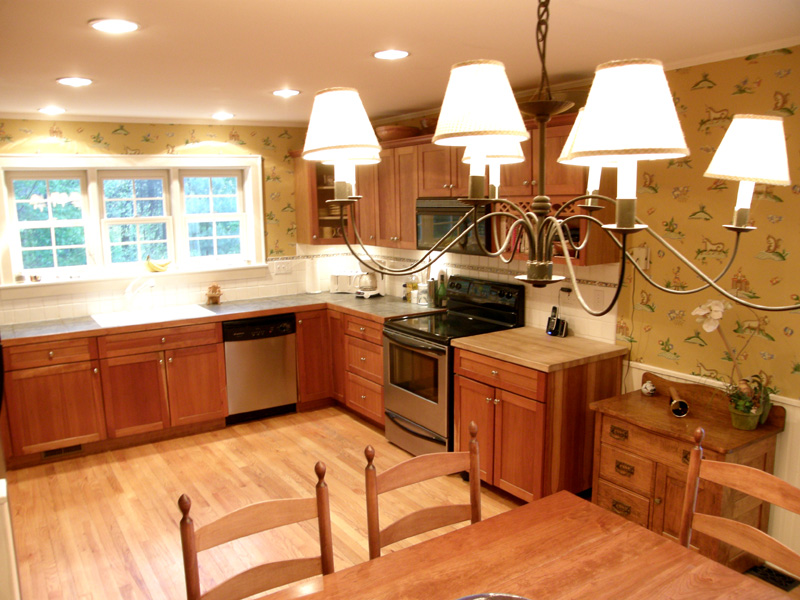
[(433, 167)]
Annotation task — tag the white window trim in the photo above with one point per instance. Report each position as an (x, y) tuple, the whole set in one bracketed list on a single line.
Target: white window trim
[(90, 164)]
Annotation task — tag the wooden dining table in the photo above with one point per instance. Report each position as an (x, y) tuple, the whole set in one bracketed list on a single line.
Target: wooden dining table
[(560, 546)]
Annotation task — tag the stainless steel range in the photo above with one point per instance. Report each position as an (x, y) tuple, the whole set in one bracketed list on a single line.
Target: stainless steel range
[(418, 360)]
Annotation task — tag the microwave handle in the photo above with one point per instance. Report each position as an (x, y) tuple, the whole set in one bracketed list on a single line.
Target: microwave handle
[(411, 343)]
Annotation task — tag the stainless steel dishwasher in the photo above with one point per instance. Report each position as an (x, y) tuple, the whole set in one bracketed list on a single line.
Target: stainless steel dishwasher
[(260, 366)]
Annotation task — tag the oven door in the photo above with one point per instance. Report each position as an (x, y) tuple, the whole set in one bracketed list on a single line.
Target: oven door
[(416, 393)]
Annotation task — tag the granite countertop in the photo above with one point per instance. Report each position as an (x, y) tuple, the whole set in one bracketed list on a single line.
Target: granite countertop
[(531, 347), (377, 308)]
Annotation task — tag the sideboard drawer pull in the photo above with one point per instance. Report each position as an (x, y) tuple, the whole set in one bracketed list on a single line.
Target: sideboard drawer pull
[(620, 508), (624, 468), (618, 433), (685, 457)]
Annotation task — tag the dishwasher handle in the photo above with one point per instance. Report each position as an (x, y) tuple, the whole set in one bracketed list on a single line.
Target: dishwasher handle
[(258, 328)]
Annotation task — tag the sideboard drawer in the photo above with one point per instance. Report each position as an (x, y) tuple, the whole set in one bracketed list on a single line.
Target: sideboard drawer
[(363, 329), (364, 359), (626, 504), (153, 340), (627, 470), (640, 441)]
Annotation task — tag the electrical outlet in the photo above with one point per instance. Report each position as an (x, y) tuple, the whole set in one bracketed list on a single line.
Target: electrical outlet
[(280, 266), (641, 256)]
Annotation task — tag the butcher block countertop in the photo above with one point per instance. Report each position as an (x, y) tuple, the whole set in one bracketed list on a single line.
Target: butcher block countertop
[(531, 347), (375, 309)]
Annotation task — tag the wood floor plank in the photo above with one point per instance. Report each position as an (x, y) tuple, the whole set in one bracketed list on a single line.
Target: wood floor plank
[(105, 526)]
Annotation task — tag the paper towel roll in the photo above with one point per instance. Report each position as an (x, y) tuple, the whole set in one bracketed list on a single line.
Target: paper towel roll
[(312, 277)]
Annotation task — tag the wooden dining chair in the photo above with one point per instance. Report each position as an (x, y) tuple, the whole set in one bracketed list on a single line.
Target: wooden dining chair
[(251, 519), (416, 470), (750, 481)]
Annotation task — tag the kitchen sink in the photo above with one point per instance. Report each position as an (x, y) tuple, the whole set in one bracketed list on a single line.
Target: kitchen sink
[(151, 315)]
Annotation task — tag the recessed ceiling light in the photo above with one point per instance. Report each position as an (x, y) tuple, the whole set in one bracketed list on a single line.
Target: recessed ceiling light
[(74, 81), (222, 115), (52, 110), (114, 25), (286, 93), (390, 54)]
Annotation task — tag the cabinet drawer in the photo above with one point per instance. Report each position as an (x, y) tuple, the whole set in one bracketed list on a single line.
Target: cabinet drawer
[(364, 359), (515, 378), (640, 441), (627, 470), (50, 353), (171, 338), (622, 502), (363, 329), (364, 397)]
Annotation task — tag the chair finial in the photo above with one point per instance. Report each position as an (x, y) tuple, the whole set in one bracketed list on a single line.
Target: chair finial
[(320, 469), (699, 435), (473, 429), (184, 503), (369, 453)]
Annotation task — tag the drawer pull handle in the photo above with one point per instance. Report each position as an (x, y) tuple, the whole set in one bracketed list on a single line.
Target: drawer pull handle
[(620, 508), (362, 329), (618, 433), (685, 457), (51, 354), (494, 373), (163, 340), (624, 469)]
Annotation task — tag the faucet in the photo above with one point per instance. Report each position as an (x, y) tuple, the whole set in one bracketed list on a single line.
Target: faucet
[(136, 286)]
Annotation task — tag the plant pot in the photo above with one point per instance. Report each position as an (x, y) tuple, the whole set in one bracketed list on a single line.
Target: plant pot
[(766, 405), (744, 420)]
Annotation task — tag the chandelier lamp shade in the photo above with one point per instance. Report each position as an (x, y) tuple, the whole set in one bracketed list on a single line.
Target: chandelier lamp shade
[(752, 151), (629, 117)]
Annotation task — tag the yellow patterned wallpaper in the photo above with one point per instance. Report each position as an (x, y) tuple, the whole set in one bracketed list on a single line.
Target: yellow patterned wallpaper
[(273, 143), (689, 210)]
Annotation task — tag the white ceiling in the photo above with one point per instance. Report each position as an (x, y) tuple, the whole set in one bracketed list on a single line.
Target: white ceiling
[(192, 58)]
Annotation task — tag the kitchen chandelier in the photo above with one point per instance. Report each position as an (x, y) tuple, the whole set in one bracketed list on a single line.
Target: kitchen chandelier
[(629, 116)]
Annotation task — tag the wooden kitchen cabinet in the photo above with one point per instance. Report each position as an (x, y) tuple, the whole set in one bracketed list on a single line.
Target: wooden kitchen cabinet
[(529, 394), (336, 332), (317, 221), (397, 196), (314, 381), (162, 378), (642, 456), (363, 353), (441, 172), (366, 209), (53, 395)]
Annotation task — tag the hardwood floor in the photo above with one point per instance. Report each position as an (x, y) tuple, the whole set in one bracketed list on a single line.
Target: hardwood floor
[(105, 527)]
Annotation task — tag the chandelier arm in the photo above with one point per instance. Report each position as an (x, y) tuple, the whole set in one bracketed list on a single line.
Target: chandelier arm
[(504, 247), (410, 270), (713, 282), (574, 280), (572, 201), (561, 222)]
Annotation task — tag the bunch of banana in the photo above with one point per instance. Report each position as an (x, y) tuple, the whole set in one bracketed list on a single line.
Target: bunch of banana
[(156, 267)]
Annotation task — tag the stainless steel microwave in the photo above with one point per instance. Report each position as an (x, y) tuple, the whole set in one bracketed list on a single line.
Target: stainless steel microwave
[(436, 216)]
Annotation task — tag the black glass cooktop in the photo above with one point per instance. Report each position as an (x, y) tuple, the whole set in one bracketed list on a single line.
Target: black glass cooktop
[(442, 327)]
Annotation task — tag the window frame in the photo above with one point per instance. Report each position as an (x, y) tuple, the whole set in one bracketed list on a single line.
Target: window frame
[(94, 168)]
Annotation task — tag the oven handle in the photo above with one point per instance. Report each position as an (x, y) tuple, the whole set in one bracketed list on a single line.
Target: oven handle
[(412, 343), (398, 420)]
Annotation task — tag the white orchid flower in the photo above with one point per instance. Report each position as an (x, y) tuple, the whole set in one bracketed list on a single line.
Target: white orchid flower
[(710, 313)]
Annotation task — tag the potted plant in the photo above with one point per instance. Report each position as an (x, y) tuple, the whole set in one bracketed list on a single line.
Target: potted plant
[(749, 397)]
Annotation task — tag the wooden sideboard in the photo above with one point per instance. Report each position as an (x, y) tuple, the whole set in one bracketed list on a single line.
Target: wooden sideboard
[(641, 456)]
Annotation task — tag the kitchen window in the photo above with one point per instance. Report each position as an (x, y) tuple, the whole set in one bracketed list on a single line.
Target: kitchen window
[(104, 216)]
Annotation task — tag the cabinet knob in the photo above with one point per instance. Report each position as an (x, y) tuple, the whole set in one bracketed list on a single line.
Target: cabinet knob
[(95, 370), (363, 397), (488, 400), (372, 237), (497, 401), (300, 322), (169, 360), (526, 182), (51, 354), (161, 361), (444, 186), (363, 358), (163, 340), (313, 237), (362, 328), (451, 186), (657, 500), (495, 373)]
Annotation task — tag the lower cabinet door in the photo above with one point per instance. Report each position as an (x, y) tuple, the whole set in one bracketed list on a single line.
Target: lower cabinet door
[(196, 384), (54, 407), (474, 401), (364, 397), (135, 394), (519, 445)]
